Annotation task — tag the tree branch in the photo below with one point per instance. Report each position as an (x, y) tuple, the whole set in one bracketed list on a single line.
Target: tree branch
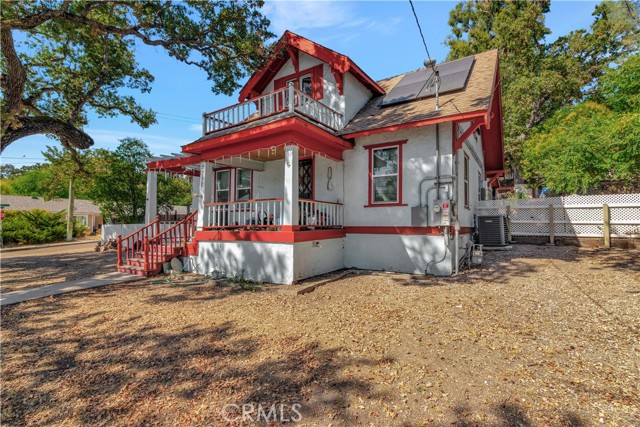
[(68, 134)]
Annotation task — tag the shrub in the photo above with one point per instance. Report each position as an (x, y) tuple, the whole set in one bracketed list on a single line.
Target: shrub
[(35, 226)]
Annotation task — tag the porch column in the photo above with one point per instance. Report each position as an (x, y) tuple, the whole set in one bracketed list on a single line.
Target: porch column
[(205, 193), (290, 204), (195, 192), (151, 205)]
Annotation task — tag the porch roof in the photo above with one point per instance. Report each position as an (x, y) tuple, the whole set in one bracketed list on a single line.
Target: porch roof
[(256, 142)]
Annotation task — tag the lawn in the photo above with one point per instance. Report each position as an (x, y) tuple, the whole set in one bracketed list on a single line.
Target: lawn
[(540, 336)]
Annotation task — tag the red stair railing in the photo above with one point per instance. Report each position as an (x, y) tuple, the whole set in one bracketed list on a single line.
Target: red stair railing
[(162, 246), (134, 242)]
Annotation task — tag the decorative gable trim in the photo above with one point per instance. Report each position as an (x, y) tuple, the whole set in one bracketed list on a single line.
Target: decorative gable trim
[(289, 47)]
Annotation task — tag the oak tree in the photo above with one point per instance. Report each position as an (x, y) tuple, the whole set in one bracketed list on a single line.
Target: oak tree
[(63, 58)]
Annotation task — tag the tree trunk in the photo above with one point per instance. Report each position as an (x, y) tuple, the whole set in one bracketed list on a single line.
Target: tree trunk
[(70, 220)]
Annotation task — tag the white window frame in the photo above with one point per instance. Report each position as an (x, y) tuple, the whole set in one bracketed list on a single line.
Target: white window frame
[(374, 176)]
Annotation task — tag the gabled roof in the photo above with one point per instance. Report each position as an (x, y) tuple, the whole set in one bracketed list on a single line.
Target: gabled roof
[(288, 47), (472, 101), (27, 203)]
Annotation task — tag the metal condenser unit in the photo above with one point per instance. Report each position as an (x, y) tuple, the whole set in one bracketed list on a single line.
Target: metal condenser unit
[(492, 230)]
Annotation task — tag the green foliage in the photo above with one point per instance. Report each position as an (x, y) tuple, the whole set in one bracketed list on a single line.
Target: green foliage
[(79, 229), (173, 191), (33, 227), (79, 56), (118, 182), (65, 165), (591, 144), (539, 77)]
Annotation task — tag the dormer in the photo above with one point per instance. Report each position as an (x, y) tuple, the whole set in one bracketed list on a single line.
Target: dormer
[(325, 75)]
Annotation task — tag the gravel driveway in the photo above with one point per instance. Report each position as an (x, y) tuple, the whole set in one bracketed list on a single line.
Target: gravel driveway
[(541, 336), (37, 267)]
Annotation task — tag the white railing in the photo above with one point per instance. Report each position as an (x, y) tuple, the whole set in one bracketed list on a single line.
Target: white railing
[(313, 213), (279, 101), (267, 213), (317, 111), (250, 213)]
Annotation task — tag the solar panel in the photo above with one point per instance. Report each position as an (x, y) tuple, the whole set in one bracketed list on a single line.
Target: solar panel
[(407, 88), (421, 84)]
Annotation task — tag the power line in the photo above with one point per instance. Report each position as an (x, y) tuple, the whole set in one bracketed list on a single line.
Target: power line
[(424, 42)]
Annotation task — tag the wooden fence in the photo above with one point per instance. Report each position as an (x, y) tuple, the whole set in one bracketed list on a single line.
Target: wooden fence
[(604, 216)]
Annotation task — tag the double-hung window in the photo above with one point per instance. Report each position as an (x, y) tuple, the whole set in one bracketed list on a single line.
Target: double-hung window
[(222, 185), (385, 174), (243, 184)]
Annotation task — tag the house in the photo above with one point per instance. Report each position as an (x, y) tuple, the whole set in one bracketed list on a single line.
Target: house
[(319, 167), (84, 211)]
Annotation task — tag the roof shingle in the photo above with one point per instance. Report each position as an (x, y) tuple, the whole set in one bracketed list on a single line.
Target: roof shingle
[(476, 96)]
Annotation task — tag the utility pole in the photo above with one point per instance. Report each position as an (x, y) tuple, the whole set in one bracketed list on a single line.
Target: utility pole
[(70, 220)]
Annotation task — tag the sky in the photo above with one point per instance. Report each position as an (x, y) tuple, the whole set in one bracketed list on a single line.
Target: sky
[(380, 36)]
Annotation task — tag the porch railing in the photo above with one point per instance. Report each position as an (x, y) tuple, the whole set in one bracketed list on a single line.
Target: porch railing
[(314, 213), (267, 213), (249, 213), (279, 101)]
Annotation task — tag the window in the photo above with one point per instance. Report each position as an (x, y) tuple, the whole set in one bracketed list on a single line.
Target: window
[(479, 186), (305, 85), (466, 181), (308, 81), (243, 184), (222, 185), (81, 219), (385, 174)]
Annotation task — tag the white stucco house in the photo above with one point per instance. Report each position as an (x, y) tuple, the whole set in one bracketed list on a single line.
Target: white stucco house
[(318, 168)]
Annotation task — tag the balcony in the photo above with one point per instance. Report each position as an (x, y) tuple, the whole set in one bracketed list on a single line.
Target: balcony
[(286, 100), (266, 214)]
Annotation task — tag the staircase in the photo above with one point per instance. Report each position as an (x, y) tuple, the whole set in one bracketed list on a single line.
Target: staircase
[(144, 251)]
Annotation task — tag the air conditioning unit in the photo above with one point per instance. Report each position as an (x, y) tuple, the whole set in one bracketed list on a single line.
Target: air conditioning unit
[(492, 230)]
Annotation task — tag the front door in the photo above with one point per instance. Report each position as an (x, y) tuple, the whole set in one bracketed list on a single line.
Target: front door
[(305, 179)]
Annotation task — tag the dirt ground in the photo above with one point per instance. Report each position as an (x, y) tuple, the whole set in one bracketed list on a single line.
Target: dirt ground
[(540, 336), (43, 266)]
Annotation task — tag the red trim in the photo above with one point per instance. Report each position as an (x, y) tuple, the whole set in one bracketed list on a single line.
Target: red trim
[(419, 123), (316, 81), (458, 141), (270, 236), (399, 144), (295, 58), (192, 248), (403, 230), (337, 62), (384, 205), (264, 136)]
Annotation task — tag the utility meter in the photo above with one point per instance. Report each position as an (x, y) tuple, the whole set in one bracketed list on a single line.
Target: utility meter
[(444, 207)]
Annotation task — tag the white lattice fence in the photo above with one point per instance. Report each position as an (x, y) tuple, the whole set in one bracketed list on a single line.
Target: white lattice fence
[(573, 216)]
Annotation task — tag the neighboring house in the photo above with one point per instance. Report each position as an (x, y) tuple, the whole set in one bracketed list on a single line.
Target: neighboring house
[(84, 211), (319, 168)]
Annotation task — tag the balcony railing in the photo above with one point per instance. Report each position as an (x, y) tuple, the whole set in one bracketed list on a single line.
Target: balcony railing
[(279, 101), (267, 214)]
